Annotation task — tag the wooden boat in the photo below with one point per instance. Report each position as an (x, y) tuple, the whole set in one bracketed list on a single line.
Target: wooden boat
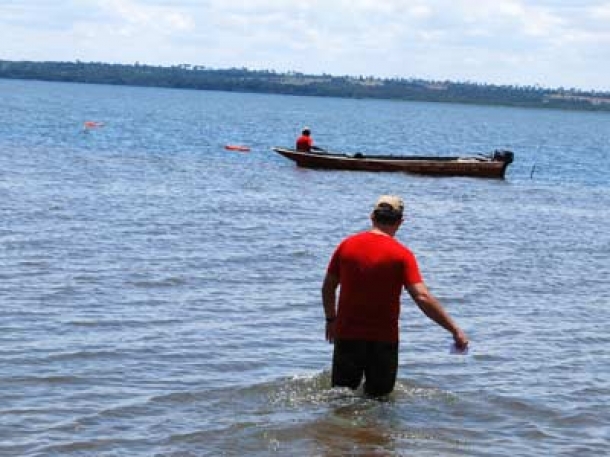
[(480, 166)]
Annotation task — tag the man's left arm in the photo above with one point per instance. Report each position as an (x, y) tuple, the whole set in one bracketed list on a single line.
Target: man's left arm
[(432, 308)]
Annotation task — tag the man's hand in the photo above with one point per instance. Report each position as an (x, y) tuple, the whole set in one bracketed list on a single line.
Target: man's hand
[(461, 340)]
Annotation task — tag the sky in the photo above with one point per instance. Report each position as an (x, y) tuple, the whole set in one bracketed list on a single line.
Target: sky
[(550, 43)]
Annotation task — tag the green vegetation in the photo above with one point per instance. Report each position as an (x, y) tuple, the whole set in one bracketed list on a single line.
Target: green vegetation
[(244, 80)]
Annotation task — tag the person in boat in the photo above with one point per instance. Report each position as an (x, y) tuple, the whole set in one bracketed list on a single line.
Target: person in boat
[(305, 142), (372, 267)]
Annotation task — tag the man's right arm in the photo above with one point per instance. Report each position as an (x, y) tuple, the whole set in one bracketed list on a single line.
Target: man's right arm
[(329, 300), (432, 308)]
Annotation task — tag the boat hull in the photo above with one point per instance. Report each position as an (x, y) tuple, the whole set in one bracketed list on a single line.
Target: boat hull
[(481, 167)]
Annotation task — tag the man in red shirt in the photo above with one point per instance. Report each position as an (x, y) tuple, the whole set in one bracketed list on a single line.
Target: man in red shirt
[(372, 268), (305, 142)]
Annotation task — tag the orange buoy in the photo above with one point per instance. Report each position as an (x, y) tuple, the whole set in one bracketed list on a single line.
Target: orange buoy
[(235, 147), (92, 124)]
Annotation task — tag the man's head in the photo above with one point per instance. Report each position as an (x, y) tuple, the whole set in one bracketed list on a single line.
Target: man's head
[(388, 210), (306, 131)]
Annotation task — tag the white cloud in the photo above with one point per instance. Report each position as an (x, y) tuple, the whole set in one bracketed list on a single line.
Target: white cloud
[(551, 42), (600, 12), (140, 16)]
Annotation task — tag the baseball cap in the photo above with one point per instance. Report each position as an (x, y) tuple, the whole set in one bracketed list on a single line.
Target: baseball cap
[(390, 202)]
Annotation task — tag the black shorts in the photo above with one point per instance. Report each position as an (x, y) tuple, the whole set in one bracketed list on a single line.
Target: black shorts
[(377, 361)]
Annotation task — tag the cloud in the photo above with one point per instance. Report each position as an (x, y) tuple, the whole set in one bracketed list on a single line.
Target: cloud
[(43, 14), (142, 17), (506, 41)]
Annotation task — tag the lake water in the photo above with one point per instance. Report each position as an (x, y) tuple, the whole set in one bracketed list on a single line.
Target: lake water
[(159, 295)]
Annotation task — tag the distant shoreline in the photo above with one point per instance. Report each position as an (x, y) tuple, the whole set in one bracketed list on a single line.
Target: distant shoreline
[(266, 81)]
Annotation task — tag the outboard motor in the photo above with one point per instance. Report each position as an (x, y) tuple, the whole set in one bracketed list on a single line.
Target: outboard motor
[(504, 155)]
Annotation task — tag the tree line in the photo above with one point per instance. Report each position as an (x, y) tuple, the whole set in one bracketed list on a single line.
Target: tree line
[(198, 77)]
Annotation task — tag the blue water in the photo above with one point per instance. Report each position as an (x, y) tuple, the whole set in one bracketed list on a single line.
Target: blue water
[(159, 295)]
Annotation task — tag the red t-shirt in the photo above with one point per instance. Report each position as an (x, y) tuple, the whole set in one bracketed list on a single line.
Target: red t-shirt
[(372, 270), (304, 143)]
